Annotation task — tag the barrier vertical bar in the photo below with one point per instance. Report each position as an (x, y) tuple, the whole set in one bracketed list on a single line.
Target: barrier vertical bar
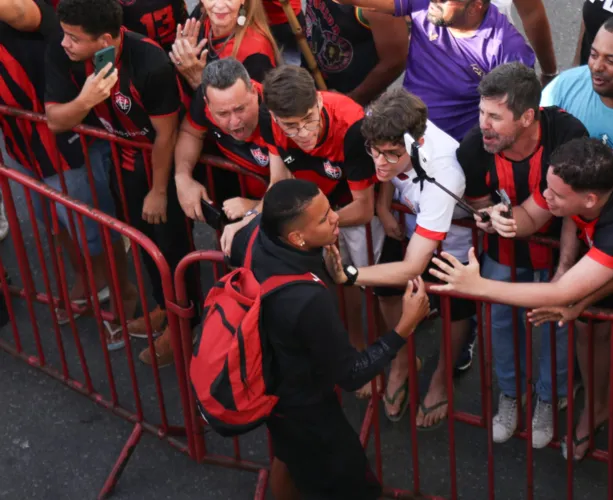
[(570, 431), (446, 317), (480, 341), (529, 385), (414, 405), (610, 437), (489, 404), (590, 380)]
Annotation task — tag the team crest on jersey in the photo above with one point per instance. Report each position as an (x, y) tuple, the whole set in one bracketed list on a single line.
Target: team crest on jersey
[(123, 103), (332, 171), (259, 156)]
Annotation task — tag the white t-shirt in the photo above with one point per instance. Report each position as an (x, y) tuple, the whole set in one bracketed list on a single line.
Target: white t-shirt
[(433, 208)]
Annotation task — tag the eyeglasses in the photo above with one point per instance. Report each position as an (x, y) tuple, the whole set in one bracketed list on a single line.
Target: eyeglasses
[(294, 130), (375, 153)]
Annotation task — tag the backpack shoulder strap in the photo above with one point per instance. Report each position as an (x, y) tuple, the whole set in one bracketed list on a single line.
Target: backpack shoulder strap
[(247, 261), (275, 283)]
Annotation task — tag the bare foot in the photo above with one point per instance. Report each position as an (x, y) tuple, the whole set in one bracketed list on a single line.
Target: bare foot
[(396, 391), (582, 431), (433, 409)]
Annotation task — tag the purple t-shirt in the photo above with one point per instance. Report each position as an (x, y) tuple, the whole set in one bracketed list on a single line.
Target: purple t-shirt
[(445, 71)]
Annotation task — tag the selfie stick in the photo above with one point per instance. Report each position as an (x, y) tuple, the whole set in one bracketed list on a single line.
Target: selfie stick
[(423, 176)]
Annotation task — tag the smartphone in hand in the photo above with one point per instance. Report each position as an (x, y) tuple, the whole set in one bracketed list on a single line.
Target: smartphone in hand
[(506, 201), (214, 217), (103, 57)]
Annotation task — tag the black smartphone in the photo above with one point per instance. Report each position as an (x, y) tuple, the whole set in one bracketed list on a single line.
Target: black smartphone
[(103, 57), (506, 201), (214, 217)]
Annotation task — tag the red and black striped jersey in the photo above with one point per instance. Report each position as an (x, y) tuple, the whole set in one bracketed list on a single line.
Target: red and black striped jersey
[(597, 234), (22, 84), (156, 19), (147, 88), (486, 173), (251, 154), (339, 162)]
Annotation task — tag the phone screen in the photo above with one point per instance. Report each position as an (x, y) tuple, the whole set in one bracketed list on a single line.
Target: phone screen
[(103, 57)]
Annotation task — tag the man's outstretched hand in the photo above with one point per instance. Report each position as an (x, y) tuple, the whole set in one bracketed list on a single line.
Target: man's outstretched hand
[(457, 276)]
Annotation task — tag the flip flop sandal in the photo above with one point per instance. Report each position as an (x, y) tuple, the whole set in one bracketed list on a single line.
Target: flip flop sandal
[(579, 442), (390, 401), (426, 410), (66, 319), (103, 296), (113, 341)]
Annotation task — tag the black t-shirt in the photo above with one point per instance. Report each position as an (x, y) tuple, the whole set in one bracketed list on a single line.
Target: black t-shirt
[(156, 19), (251, 154), (595, 13), (339, 162), (147, 87), (342, 43), (487, 173), (22, 86)]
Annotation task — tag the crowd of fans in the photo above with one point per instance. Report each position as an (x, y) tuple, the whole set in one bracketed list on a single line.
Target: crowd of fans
[(472, 113)]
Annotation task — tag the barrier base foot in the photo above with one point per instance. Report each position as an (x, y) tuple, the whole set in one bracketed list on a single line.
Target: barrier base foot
[(262, 485), (122, 461)]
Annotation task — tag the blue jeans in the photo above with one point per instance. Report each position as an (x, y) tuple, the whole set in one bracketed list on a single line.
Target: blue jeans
[(78, 187), (503, 340)]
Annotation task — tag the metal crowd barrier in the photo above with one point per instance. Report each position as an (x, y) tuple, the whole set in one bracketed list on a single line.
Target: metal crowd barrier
[(148, 398)]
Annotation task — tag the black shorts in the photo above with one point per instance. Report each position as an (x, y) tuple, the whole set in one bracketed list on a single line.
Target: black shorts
[(323, 453), (393, 251)]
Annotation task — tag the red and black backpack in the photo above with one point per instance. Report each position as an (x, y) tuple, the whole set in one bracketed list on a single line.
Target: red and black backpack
[(227, 370)]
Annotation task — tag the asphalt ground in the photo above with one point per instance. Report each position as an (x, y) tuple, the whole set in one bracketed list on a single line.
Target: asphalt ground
[(57, 444)]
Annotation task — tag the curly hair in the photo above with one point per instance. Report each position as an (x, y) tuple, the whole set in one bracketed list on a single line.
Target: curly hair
[(584, 164), (95, 17)]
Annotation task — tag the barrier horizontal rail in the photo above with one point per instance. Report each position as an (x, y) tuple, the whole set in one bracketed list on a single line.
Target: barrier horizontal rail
[(191, 425)]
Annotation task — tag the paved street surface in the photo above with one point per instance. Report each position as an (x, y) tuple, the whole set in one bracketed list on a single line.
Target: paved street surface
[(56, 444)]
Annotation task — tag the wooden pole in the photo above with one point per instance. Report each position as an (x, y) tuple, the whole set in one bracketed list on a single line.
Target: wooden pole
[(303, 44)]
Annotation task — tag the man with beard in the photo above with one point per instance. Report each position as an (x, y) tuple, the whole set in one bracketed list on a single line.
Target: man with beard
[(227, 104), (510, 151), (579, 188), (587, 92), (453, 45)]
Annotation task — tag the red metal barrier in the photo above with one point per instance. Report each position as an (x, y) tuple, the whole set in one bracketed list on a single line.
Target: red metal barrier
[(173, 416)]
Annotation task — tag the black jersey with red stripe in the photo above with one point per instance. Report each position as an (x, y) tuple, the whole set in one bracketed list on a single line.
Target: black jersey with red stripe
[(597, 234), (339, 162), (486, 173), (147, 88), (251, 154), (22, 84), (156, 19)]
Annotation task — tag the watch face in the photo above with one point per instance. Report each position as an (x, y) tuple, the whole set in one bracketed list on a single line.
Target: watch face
[(352, 270)]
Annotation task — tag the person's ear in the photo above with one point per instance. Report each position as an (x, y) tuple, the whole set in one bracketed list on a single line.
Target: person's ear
[(590, 200), (295, 238), (107, 40), (527, 118)]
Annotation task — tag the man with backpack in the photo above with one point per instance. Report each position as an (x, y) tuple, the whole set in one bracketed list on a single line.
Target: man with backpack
[(305, 350)]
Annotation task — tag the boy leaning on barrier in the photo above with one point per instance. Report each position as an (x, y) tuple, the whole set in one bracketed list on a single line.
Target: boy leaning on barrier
[(579, 187), (387, 120), (509, 150)]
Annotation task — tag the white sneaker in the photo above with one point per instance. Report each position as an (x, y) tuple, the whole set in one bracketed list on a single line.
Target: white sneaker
[(4, 224), (505, 421), (542, 424)]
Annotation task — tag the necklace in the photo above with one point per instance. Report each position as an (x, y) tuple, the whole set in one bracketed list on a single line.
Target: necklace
[(213, 51)]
